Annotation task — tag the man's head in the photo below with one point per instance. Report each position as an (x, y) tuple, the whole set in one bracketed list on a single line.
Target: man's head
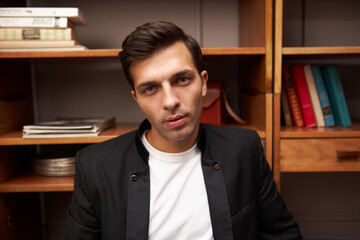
[(168, 84), (152, 37)]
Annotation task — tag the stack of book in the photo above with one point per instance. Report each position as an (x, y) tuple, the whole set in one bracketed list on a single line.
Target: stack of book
[(313, 96), (67, 128), (54, 167), (40, 28)]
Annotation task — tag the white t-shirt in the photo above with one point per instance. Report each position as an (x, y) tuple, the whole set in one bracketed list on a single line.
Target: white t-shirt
[(179, 207)]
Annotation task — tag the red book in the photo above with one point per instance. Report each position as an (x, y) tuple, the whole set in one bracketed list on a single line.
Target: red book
[(304, 96), (294, 104)]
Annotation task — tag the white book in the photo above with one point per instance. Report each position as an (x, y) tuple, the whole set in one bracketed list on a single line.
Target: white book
[(60, 135), (314, 96), (36, 22), (73, 13)]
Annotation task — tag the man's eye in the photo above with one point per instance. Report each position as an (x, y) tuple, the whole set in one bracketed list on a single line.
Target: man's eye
[(149, 89), (183, 80)]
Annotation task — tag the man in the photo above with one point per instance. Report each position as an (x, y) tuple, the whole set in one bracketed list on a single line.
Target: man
[(174, 178)]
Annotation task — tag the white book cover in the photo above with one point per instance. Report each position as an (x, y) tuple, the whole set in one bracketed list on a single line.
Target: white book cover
[(73, 13), (314, 96)]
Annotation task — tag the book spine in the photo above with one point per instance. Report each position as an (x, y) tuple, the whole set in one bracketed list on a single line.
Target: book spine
[(314, 97), (336, 95), (304, 96), (292, 97), (36, 34), (38, 22), (286, 109), (323, 96)]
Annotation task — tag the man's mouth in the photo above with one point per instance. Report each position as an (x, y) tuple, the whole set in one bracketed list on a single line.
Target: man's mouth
[(175, 121)]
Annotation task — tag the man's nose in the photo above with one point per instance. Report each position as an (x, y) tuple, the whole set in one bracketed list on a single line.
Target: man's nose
[(170, 98)]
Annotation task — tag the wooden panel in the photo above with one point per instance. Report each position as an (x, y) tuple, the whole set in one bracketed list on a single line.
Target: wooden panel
[(278, 35), (20, 216), (16, 106), (269, 46), (35, 183), (269, 128), (253, 108), (319, 155), (252, 23), (320, 50), (321, 132), (276, 154)]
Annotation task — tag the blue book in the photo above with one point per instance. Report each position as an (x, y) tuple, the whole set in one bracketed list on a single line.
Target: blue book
[(323, 96), (336, 95)]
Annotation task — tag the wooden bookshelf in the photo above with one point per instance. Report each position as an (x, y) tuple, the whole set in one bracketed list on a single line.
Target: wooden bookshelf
[(250, 60), (91, 53)]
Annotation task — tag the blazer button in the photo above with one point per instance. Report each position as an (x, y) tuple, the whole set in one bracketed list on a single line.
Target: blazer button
[(133, 178), (217, 167)]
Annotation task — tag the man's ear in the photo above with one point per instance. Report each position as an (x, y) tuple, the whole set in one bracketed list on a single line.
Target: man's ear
[(204, 78), (133, 94)]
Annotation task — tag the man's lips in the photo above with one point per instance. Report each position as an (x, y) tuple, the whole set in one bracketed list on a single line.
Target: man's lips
[(175, 121)]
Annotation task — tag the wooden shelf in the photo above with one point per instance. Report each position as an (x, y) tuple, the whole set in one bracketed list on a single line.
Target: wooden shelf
[(15, 138), (320, 50), (115, 52), (326, 132), (234, 51), (32, 182), (62, 54)]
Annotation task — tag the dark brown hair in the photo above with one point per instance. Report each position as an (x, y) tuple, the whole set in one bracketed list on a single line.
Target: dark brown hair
[(151, 37)]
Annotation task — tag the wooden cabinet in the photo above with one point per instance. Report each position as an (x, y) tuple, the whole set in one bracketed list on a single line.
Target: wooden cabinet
[(307, 32), (318, 32), (35, 86)]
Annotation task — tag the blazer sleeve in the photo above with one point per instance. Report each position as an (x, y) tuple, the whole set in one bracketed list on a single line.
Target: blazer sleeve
[(82, 221), (275, 222)]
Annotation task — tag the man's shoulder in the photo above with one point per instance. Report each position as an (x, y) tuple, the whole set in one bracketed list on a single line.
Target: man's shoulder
[(229, 133), (110, 147)]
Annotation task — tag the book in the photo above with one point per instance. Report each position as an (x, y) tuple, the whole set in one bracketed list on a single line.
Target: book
[(68, 127), (314, 97), (336, 95), (304, 96), (37, 34), (73, 13), (36, 22), (36, 43), (285, 108), (323, 96), (294, 104)]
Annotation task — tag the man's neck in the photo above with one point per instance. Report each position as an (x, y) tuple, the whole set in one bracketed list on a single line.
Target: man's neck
[(169, 146)]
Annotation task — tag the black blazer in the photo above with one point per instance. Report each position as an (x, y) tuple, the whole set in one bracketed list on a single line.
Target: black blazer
[(112, 189)]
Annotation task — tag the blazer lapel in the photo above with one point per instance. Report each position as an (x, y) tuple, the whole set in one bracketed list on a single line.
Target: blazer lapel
[(137, 227)]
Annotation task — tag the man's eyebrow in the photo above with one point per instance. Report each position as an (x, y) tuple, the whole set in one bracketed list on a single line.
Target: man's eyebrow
[(183, 72), (145, 84), (176, 75)]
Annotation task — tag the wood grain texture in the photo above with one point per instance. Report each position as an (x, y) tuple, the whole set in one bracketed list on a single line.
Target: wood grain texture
[(318, 155)]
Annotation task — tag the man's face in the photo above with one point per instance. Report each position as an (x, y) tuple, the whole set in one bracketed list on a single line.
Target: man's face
[(169, 90)]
